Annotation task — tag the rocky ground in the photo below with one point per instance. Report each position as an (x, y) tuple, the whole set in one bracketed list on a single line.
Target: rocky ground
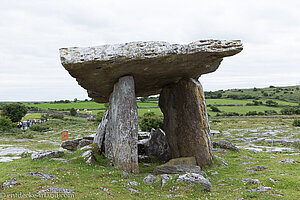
[(254, 159)]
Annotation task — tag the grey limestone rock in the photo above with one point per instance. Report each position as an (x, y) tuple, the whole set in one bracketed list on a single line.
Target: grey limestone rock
[(177, 169), (71, 145), (287, 160), (225, 145), (260, 189), (84, 142), (196, 179), (98, 68), (42, 175), (186, 121), (157, 145), (57, 190), (47, 154), (9, 184), (149, 180), (132, 190), (251, 181), (164, 179)]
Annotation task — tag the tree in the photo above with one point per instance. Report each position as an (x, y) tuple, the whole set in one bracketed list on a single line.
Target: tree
[(75, 100), (5, 123), (14, 111), (73, 112)]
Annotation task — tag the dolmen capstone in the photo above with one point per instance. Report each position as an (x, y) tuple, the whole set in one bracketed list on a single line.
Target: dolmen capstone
[(121, 72)]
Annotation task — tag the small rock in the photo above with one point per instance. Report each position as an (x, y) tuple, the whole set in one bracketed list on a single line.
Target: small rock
[(149, 180), (42, 175), (251, 181), (113, 181), (247, 163), (225, 145), (214, 173), (287, 160), (9, 184), (47, 154), (13, 179), (57, 190), (214, 132), (259, 168), (177, 169), (219, 181), (144, 159), (164, 179), (104, 189), (86, 148), (246, 157), (273, 180), (132, 183), (260, 189), (109, 193), (196, 179), (147, 165), (132, 190), (224, 164), (174, 195), (125, 175)]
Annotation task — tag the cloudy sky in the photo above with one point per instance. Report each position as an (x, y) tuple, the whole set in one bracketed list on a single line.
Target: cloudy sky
[(32, 31)]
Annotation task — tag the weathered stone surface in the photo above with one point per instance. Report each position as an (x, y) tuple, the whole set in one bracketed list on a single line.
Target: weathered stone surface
[(158, 145), (287, 160), (71, 145), (122, 126), (186, 121), (47, 154), (182, 161), (177, 169), (164, 179), (84, 142), (260, 189), (196, 179), (250, 181), (9, 184), (144, 159), (152, 64), (42, 175), (225, 145), (57, 190), (101, 131), (149, 180)]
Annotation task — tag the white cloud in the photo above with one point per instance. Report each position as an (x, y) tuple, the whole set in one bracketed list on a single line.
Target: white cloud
[(32, 31)]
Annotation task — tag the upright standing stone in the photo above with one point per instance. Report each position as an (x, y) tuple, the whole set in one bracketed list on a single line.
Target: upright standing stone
[(185, 121), (122, 126)]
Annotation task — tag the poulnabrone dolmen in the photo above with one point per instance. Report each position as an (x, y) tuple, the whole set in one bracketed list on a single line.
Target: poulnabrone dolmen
[(119, 73)]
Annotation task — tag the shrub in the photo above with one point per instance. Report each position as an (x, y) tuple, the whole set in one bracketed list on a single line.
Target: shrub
[(214, 109), (251, 113), (73, 112), (45, 117), (57, 116), (271, 103), (228, 114), (14, 111), (270, 112), (296, 122), (99, 116), (5, 124), (150, 120), (40, 127)]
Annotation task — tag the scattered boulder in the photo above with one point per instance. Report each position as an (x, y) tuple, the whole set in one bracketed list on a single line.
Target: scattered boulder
[(259, 168), (57, 190), (196, 179), (251, 181), (260, 189), (157, 145), (47, 154), (84, 142), (287, 160), (71, 145), (225, 145), (132, 190), (149, 180), (214, 173), (42, 175), (144, 159), (273, 180), (178, 166), (9, 184), (125, 175), (174, 195), (214, 132), (89, 157), (104, 189), (132, 183), (164, 179)]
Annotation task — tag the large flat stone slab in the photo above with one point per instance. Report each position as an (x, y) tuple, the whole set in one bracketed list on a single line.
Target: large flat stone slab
[(152, 64)]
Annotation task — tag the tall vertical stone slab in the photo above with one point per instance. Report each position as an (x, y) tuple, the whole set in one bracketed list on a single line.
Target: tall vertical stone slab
[(122, 126), (186, 121)]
